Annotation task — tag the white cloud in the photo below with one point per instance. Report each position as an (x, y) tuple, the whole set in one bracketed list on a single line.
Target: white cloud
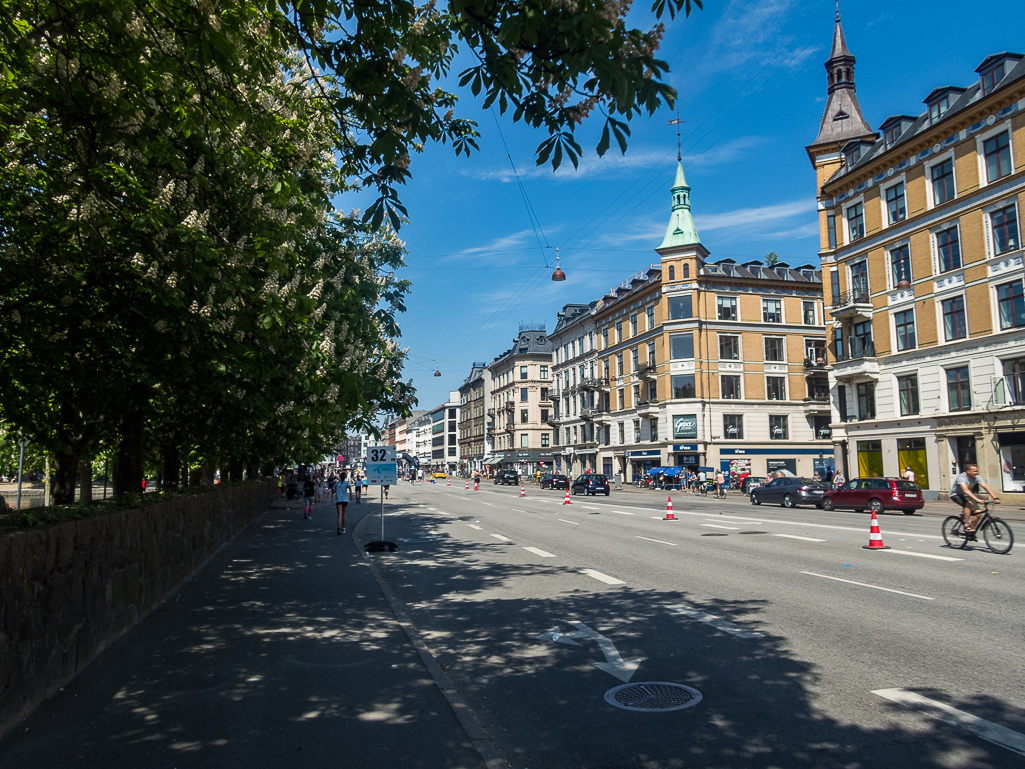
[(749, 217), (751, 34), (516, 241)]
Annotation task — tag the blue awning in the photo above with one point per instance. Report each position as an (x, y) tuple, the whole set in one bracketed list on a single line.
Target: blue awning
[(672, 470), (656, 470)]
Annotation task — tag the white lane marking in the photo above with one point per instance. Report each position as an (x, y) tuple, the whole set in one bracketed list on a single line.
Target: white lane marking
[(714, 621), (987, 730), (656, 517), (925, 555), (591, 508), (565, 521), (487, 503), (717, 526), (660, 541), (499, 536), (478, 528), (433, 508), (542, 553), (864, 584), (794, 536), (620, 512), (516, 510), (744, 521), (887, 532), (602, 577)]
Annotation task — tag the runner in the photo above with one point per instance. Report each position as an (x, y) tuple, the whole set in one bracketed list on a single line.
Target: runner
[(342, 487), (309, 489)]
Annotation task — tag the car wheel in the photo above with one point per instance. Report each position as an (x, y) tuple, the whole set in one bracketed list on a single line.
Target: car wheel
[(788, 501), (876, 506), (909, 511), (606, 492), (828, 504), (755, 500)]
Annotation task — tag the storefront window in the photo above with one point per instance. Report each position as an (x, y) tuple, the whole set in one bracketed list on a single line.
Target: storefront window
[(870, 458), (1012, 461), (911, 453)]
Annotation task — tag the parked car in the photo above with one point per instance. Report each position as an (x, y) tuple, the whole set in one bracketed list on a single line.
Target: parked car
[(790, 492), (751, 481), (439, 474), (876, 494), (554, 481), (507, 477), (591, 485)]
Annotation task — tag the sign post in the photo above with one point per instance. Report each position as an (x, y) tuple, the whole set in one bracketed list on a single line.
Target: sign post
[(381, 471)]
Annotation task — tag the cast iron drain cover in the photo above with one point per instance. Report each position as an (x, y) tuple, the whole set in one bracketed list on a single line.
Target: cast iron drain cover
[(752, 532), (714, 534), (653, 697)]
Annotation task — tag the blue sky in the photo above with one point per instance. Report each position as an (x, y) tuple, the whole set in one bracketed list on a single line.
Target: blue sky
[(752, 89)]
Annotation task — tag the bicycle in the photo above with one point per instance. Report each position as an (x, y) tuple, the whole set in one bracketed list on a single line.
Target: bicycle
[(995, 532), (720, 491)]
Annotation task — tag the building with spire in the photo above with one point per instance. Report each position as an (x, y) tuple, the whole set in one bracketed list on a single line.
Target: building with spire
[(925, 277), (704, 365)]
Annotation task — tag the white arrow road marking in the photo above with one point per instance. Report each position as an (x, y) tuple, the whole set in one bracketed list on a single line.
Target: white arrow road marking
[(711, 619), (602, 577), (478, 528), (541, 553), (803, 539), (865, 584), (998, 735), (499, 536), (614, 664)]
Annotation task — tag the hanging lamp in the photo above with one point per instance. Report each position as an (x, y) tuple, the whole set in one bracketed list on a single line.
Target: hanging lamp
[(558, 274)]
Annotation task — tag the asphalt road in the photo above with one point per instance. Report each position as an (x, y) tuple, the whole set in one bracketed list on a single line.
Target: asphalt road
[(807, 650)]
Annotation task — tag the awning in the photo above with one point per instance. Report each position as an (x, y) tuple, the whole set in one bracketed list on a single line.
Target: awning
[(493, 461), (671, 471), (656, 470)]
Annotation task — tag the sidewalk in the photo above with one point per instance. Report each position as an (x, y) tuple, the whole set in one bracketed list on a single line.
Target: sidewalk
[(282, 652)]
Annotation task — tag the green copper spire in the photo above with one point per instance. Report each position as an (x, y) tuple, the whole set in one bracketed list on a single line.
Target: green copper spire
[(681, 230)]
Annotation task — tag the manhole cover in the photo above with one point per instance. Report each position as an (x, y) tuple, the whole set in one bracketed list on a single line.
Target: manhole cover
[(752, 532), (714, 534), (653, 697)]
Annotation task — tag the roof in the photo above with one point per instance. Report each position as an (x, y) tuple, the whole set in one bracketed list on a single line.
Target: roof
[(755, 270), (842, 119), (681, 230)]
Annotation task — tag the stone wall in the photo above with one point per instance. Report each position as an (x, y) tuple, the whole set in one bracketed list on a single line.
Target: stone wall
[(68, 591)]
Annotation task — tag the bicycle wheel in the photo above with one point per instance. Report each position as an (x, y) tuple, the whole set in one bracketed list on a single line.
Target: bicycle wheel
[(953, 532), (998, 536)]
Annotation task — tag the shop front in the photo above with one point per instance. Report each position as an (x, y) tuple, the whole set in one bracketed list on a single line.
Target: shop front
[(526, 462), (1012, 460), (804, 462), (641, 461), (686, 455)]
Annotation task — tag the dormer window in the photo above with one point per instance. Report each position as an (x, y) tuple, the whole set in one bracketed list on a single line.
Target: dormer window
[(892, 134), (994, 68), (939, 101), (938, 107), (991, 78), (853, 155)]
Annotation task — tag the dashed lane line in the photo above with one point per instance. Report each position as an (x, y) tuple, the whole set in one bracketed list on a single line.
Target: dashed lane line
[(803, 539), (503, 539), (865, 584), (542, 553), (660, 541), (924, 555), (987, 730), (717, 526), (620, 512), (710, 619), (591, 508), (477, 528), (602, 577), (565, 521)]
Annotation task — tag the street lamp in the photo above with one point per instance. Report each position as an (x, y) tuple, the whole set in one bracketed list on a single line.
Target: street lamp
[(558, 274)]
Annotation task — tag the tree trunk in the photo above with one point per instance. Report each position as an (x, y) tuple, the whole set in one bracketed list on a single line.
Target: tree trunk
[(206, 471), (64, 476), (252, 472), (85, 481), (196, 476), (234, 469), (128, 462), (172, 467)]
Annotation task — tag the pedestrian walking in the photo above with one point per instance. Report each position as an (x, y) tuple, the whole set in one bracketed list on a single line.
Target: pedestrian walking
[(838, 479), (358, 485), (309, 489), (342, 488)]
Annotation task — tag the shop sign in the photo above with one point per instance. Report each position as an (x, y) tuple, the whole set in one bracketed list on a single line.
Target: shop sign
[(685, 426)]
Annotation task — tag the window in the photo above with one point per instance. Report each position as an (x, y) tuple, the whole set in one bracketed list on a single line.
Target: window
[(991, 78), (682, 385), (774, 349), (619, 331), (523, 416), (653, 391), (948, 248), (635, 359), (686, 271), (651, 317), (900, 264), (681, 346), (959, 392), (729, 347), (651, 353), (672, 272), (954, 324), (604, 338), (1014, 376), (523, 372), (942, 175), (1004, 224), (834, 285), (633, 325), (904, 325), (544, 372), (544, 393), (996, 151), (637, 394), (896, 210), (637, 431), (730, 387), (831, 229), (726, 307), (619, 364), (841, 402), (808, 313), (907, 390), (938, 107), (622, 433), (772, 310), (544, 440), (622, 400), (861, 340), (523, 393), (544, 416), (855, 222), (653, 429), (680, 307), (1011, 305), (859, 282), (778, 428), (866, 400), (524, 440), (733, 427), (776, 388)]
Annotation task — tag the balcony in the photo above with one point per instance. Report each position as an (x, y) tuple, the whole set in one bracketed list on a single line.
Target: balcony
[(510, 427), (555, 419), (591, 414), (593, 383), (852, 305), (648, 406), (490, 412), (509, 406), (818, 363), (648, 370), (858, 361)]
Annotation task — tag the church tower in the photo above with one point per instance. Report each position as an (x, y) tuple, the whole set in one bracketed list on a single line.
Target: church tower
[(681, 249)]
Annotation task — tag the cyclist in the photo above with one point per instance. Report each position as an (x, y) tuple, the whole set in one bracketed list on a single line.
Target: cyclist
[(966, 486), (720, 488)]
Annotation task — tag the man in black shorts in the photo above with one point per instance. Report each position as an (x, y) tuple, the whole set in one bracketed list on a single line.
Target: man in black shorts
[(963, 493)]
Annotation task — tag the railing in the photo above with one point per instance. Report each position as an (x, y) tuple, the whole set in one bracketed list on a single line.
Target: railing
[(647, 369), (857, 350), (509, 406), (856, 296), (593, 383), (815, 364), (591, 413), (647, 402)]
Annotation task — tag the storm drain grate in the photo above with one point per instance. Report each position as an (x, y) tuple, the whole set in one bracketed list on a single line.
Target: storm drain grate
[(752, 532), (714, 534), (653, 697)]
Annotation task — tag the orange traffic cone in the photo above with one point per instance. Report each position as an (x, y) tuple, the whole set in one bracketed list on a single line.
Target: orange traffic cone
[(467, 485), (448, 483), (669, 511), (476, 485), (875, 539), (567, 502), (523, 491)]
